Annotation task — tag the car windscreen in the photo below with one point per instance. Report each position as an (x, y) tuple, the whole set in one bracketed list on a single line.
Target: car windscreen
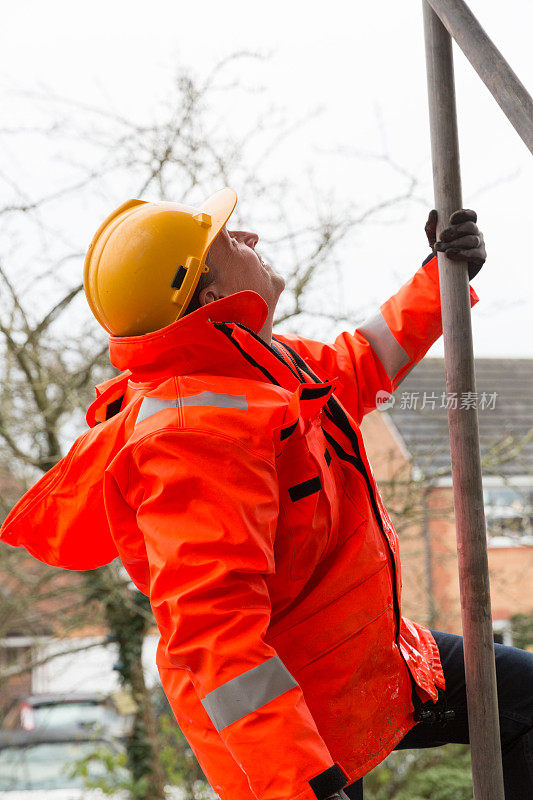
[(60, 715), (47, 765)]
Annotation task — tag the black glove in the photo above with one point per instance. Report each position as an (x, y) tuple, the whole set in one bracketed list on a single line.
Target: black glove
[(462, 241)]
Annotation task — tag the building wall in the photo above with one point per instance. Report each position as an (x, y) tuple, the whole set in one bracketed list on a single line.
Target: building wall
[(17, 685), (444, 561), (511, 578), (510, 568), (391, 467)]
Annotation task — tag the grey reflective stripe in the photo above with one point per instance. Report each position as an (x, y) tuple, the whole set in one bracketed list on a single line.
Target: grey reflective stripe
[(248, 692), (385, 346), (215, 399), (151, 405)]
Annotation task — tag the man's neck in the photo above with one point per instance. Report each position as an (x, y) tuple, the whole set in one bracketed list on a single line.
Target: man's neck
[(266, 331)]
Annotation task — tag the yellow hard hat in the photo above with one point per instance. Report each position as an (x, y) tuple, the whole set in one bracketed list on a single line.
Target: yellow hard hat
[(145, 261)]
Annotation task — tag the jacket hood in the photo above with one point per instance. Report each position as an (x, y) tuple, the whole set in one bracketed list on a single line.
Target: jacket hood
[(61, 520), (183, 342)]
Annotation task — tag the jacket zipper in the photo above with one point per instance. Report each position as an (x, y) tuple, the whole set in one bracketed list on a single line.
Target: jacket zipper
[(359, 466), (226, 330)]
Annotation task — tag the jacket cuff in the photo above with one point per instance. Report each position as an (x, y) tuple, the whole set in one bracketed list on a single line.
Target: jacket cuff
[(328, 782)]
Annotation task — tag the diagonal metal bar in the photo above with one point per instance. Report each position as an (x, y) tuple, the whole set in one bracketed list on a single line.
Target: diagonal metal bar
[(506, 88), (480, 669)]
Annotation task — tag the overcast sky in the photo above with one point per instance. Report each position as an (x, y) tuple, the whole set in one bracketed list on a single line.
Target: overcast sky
[(363, 65)]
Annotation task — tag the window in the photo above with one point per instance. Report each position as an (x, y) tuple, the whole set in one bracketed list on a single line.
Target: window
[(84, 714), (509, 515), (503, 631), (13, 655)]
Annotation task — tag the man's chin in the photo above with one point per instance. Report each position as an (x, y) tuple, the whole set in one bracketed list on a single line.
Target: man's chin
[(279, 281)]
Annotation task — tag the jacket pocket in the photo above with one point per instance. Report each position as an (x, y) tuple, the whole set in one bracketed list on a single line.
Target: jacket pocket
[(308, 502), (343, 618)]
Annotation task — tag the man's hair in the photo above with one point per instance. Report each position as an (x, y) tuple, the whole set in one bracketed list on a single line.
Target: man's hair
[(206, 279)]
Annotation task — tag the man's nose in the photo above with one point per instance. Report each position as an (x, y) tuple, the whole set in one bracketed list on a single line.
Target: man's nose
[(247, 237)]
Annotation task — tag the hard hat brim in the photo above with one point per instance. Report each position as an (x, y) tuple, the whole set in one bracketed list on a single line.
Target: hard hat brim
[(220, 207)]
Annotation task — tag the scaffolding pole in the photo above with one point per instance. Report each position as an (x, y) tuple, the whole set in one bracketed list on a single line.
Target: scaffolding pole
[(463, 423), (508, 91)]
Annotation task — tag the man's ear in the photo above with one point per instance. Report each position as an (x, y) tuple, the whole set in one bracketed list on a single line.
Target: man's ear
[(209, 295)]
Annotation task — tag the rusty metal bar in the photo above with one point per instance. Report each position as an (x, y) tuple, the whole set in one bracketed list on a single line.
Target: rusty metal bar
[(463, 423)]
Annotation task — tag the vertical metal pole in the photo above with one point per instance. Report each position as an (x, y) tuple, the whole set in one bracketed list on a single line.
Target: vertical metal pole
[(464, 435)]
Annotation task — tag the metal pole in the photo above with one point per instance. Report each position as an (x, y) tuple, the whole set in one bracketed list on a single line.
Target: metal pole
[(508, 91), (464, 435)]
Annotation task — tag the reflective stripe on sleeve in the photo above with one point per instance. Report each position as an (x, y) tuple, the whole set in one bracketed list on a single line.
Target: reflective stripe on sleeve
[(385, 346), (248, 692), (152, 405)]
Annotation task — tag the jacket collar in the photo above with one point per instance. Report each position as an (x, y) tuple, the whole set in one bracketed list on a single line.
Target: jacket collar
[(190, 343), (220, 338)]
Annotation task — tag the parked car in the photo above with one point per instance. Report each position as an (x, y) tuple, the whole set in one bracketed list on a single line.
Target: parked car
[(39, 764), (89, 711)]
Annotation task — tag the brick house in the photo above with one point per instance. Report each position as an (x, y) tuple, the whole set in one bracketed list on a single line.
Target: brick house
[(408, 448)]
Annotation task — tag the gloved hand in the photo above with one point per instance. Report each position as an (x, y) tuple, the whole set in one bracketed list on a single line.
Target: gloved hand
[(462, 241)]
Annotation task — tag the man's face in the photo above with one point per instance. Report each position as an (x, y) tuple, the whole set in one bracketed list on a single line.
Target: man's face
[(238, 266)]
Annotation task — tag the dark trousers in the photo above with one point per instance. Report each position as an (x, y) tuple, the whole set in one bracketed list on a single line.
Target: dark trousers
[(514, 673)]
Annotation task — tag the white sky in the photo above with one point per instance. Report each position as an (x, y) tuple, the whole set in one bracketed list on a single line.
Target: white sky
[(363, 63)]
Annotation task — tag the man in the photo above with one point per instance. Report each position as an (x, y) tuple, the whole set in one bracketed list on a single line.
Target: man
[(225, 467)]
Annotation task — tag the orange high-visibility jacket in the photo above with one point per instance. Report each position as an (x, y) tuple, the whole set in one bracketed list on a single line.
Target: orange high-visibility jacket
[(230, 478)]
